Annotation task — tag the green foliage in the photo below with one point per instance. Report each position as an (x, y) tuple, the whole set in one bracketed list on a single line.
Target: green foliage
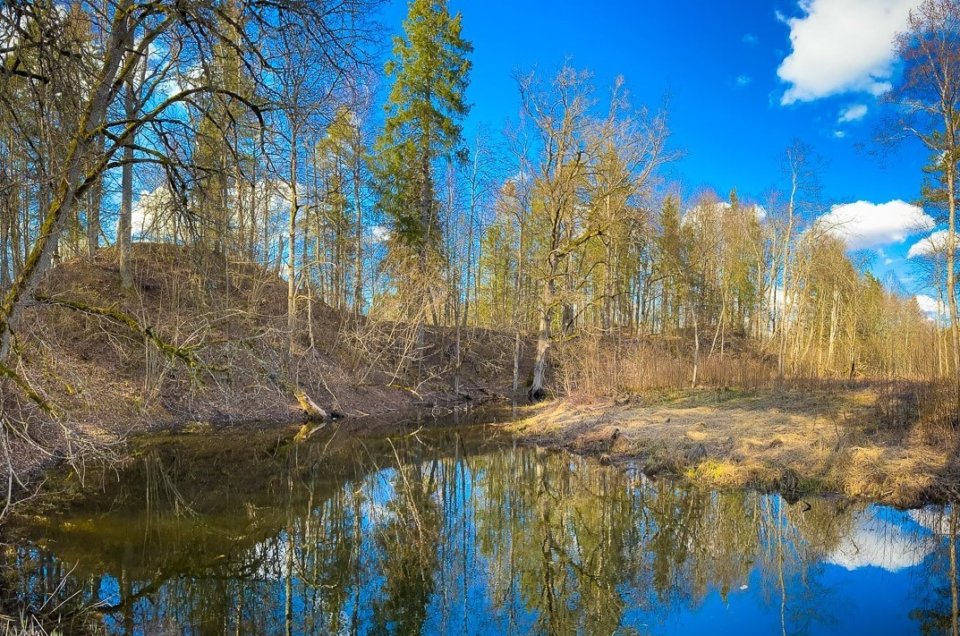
[(426, 103)]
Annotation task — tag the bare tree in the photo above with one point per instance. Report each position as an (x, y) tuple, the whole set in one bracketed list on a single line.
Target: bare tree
[(161, 41), (929, 97), (572, 143)]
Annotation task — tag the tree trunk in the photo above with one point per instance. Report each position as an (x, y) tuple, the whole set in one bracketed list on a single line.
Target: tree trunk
[(358, 238), (93, 218), (124, 224), (70, 187), (696, 350), (536, 391), (292, 246), (951, 267), (94, 201), (516, 362)]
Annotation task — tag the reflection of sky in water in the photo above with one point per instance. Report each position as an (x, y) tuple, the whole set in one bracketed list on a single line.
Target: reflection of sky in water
[(884, 538), (517, 541)]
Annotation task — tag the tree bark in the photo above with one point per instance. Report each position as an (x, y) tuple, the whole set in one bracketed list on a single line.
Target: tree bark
[(125, 222)]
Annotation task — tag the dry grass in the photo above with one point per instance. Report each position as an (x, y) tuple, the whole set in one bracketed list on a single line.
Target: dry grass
[(233, 316), (792, 441), (595, 366)]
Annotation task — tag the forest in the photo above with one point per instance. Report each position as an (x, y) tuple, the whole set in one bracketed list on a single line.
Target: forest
[(246, 137), (267, 217), (244, 134)]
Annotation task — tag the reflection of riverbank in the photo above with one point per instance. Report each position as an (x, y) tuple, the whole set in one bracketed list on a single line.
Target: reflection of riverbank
[(429, 538)]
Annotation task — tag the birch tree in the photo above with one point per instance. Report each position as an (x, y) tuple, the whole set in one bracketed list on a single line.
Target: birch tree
[(929, 97)]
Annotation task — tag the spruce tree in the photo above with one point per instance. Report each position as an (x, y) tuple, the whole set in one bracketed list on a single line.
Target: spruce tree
[(425, 107)]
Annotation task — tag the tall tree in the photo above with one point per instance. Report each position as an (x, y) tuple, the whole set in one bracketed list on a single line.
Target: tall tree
[(930, 96), (426, 104), (584, 164), (93, 132)]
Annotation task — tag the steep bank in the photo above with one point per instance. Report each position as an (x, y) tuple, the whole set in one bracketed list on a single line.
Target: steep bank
[(841, 439), (203, 341), (206, 347)]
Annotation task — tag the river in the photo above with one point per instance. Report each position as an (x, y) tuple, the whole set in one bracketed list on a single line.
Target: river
[(461, 531)]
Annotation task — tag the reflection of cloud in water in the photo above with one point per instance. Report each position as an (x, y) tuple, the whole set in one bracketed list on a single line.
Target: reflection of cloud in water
[(893, 544), (936, 520)]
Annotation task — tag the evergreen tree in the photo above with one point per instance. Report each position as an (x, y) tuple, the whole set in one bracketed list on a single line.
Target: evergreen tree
[(426, 103)]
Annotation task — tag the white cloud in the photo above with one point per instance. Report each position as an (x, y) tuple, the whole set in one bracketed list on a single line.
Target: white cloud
[(927, 246), (933, 519), (856, 112), (864, 224), (743, 80), (379, 234), (932, 307), (151, 217), (839, 134), (842, 46)]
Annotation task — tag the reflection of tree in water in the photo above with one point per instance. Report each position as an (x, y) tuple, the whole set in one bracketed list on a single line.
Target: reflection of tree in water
[(408, 540), (326, 547), (579, 544), (939, 597), (427, 538)]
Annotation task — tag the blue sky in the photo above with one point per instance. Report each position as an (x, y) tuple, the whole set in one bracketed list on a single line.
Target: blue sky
[(742, 80)]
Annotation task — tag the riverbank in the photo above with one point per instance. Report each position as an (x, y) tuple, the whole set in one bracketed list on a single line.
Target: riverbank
[(202, 343), (817, 440)]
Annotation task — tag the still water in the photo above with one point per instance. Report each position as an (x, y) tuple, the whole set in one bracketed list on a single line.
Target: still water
[(462, 532)]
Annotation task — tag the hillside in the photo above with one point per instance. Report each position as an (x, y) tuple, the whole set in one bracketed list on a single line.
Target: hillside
[(209, 347)]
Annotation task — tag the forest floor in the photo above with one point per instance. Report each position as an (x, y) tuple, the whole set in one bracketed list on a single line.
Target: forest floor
[(817, 440)]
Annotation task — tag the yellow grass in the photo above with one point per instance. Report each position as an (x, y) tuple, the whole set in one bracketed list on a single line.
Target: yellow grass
[(795, 441)]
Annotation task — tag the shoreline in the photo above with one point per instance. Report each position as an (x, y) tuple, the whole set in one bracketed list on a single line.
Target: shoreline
[(795, 443)]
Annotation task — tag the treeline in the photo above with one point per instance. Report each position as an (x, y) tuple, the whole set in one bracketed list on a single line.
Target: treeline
[(250, 131)]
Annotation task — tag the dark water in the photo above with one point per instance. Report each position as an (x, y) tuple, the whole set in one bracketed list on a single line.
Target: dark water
[(460, 532)]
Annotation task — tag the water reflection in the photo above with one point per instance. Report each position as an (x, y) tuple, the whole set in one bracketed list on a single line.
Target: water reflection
[(458, 534)]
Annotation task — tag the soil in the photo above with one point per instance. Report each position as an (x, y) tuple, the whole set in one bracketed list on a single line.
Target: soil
[(108, 381)]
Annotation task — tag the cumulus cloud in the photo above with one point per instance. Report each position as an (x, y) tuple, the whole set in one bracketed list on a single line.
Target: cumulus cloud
[(842, 46), (856, 112), (933, 519), (936, 243), (379, 234), (151, 217), (932, 307), (864, 224)]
